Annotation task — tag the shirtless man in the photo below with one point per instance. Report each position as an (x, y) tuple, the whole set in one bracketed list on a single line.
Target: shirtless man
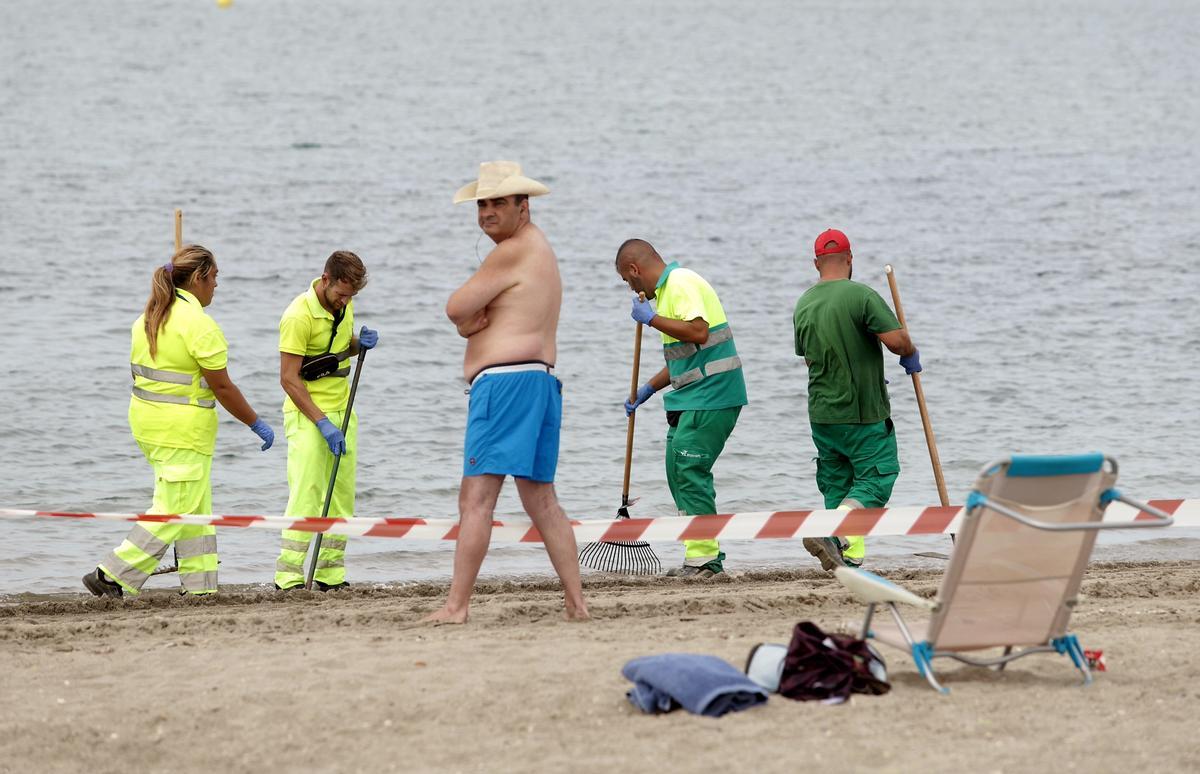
[(508, 313)]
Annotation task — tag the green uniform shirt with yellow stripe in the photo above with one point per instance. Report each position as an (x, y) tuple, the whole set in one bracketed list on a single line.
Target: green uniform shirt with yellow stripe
[(304, 330), (704, 377)]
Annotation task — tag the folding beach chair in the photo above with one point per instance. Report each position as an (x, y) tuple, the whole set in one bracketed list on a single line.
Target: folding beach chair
[(1023, 544)]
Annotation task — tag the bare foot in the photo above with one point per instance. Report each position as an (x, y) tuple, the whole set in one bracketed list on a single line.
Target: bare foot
[(577, 614), (446, 616)]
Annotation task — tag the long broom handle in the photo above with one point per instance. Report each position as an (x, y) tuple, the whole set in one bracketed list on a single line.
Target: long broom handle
[(930, 441), (178, 247), (633, 388), (337, 460)]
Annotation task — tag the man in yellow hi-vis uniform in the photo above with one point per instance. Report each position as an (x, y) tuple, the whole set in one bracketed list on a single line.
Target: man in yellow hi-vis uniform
[(178, 359), (705, 372), (316, 342)]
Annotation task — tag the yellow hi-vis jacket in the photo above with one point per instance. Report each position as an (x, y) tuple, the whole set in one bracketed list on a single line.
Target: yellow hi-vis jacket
[(172, 404)]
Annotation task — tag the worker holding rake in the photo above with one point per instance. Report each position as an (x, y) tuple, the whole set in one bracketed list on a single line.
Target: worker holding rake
[(839, 326), (705, 372), (316, 339)]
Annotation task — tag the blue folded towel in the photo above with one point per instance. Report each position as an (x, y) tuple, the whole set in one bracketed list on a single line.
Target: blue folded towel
[(702, 685)]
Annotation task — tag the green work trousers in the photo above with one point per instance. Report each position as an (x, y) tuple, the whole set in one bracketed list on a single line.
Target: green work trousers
[(182, 485), (857, 463), (693, 445), (309, 466)]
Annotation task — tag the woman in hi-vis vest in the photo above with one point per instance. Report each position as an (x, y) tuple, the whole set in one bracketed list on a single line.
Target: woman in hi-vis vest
[(178, 360)]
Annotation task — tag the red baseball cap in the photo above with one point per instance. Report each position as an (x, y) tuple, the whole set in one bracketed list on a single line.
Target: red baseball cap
[(841, 242)]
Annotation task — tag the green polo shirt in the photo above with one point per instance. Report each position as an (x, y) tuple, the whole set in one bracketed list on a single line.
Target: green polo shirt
[(304, 330), (835, 325)]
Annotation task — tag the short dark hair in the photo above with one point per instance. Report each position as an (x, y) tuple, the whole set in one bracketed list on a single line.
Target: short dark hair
[(634, 250), (345, 265)]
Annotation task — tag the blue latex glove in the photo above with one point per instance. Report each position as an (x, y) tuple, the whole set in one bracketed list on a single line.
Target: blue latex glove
[(367, 338), (911, 363), (643, 394), (333, 436), (263, 431), (642, 311)]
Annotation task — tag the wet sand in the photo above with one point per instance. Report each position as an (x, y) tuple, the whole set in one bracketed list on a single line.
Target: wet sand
[(253, 681)]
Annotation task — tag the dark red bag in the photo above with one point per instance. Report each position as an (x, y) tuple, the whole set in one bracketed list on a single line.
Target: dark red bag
[(830, 666)]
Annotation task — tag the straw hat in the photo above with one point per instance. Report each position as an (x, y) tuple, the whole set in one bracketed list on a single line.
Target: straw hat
[(498, 179)]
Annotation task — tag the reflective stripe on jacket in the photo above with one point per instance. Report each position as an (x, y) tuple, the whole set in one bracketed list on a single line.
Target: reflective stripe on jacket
[(706, 376), (158, 386), (171, 402), (688, 363)]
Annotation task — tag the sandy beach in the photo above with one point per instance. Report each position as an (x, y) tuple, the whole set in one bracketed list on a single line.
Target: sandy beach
[(250, 681), (1044, 243)]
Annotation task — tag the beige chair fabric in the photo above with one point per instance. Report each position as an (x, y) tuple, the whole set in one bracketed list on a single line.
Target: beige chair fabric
[(1009, 584)]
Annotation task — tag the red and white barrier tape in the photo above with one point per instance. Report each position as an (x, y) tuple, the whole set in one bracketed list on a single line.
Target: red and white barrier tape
[(757, 525)]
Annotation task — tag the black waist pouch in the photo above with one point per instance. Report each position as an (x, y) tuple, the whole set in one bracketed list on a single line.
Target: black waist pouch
[(318, 366), (314, 367)]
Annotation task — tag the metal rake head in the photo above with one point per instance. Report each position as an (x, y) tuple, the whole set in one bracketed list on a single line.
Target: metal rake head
[(618, 556)]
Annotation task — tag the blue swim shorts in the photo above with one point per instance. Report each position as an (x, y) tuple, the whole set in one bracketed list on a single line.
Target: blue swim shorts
[(513, 424)]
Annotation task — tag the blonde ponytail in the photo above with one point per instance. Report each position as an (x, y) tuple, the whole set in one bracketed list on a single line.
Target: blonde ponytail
[(190, 260)]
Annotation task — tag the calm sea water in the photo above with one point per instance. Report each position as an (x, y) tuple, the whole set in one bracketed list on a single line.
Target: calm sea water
[(1031, 172)]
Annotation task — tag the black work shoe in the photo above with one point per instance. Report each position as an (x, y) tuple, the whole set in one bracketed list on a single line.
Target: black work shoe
[(830, 551), (706, 570), (99, 584), (688, 571), (297, 587), (331, 587)]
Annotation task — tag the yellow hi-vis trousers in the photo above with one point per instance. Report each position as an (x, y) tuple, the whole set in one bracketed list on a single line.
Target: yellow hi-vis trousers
[(309, 466), (182, 485)]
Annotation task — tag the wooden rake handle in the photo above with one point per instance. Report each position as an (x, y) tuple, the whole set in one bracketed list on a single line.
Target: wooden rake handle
[(633, 388), (930, 441)]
